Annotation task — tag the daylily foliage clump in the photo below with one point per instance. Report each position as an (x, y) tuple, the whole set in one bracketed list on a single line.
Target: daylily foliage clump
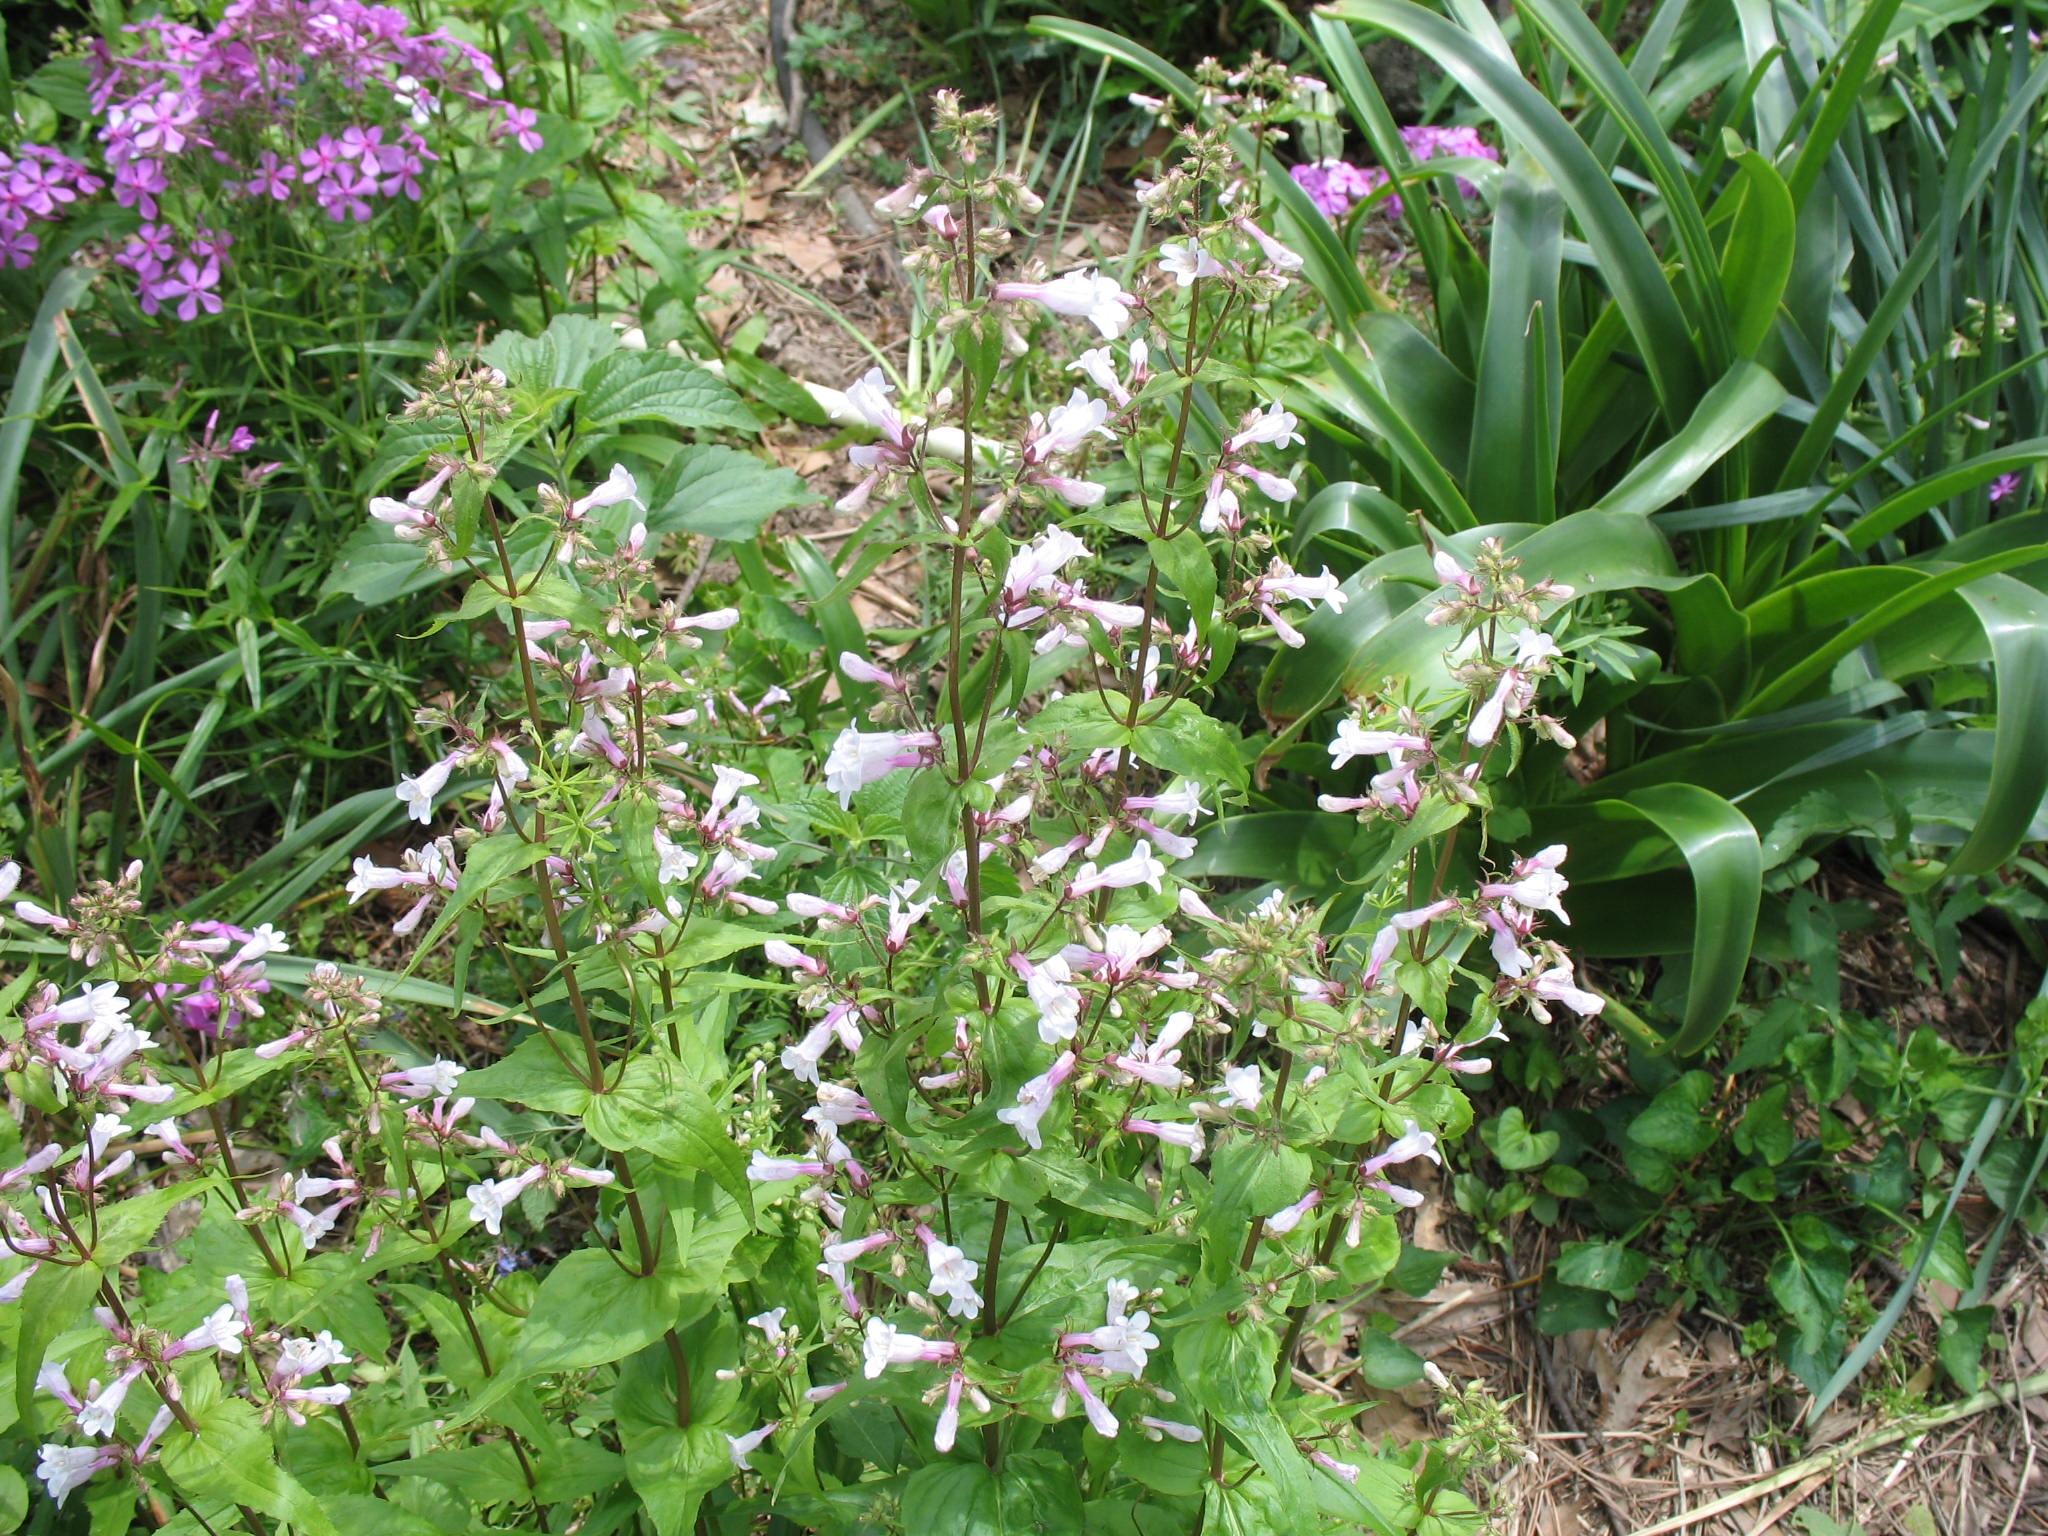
[(899, 1121)]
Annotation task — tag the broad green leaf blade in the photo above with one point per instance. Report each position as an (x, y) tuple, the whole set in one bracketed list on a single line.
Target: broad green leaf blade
[(1745, 398), (1756, 261), (1511, 467), (1627, 261), (2015, 620), (1721, 849)]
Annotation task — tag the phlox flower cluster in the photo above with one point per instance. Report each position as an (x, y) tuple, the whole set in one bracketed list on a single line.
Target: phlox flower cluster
[(281, 102), (1333, 185), (38, 185)]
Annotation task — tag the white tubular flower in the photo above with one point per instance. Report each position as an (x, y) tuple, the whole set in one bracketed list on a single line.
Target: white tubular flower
[(618, 486), (1066, 428), (743, 1446), (1100, 369), (1354, 740), (1241, 1088), (64, 1469), (1035, 1098), (1187, 261), (953, 1276), (1141, 867), (1282, 1222), (222, 1331), (1187, 1434), (489, 1200), (1276, 427), (1533, 648), (10, 877), (1058, 1003), (436, 1080), (418, 793), (1035, 565), (1281, 258), (1083, 295)]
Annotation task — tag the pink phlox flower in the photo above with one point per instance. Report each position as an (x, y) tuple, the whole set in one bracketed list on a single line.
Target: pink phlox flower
[(2004, 486), (1384, 941), (1186, 1135), (743, 1446), (1157, 1062), (859, 758), (885, 1345)]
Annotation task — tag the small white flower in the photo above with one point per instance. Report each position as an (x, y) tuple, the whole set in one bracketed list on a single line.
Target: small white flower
[(1186, 260)]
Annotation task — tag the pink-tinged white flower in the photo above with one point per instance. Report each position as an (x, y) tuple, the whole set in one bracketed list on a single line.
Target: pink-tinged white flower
[(1183, 1134), (222, 1331), (1387, 938), (1186, 261), (1285, 1220), (1221, 512), (1035, 1098), (291, 1397), (1414, 1142), (1057, 1001), (301, 1357), (1241, 1087), (1033, 567), (858, 1247), (1066, 428), (1452, 574), (1083, 295), (1330, 1464), (1354, 740), (763, 1169), (859, 758), (1100, 369), (948, 1428), (1100, 1419), (435, 1080), (1187, 1434), (1279, 256), (1124, 1341), (743, 1446), (489, 1200), (619, 486), (418, 793), (10, 877), (1276, 427), (99, 1413), (1140, 867), (953, 1275), (1537, 886), (1557, 985), (1157, 1062), (1533, 648), (905, 912), (672, 863), (64, 1469), (860, 670), (790, 958), (885, 1345)]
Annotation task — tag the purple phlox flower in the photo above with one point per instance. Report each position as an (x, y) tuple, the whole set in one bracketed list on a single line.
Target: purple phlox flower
[(209, 449), (523, 123), (2004, 486)]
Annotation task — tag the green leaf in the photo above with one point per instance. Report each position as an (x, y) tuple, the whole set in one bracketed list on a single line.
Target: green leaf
[(1676, 1121), (1723, 853), (1562, 1308), (1659, 323), (1035, 1495), (13, 1500), (1747, 396), (1756, 258), (232, 1458), (672, 1469), (1810, 1279), (1385, 1362), (536, 1074), (1605, 1267), (1765, 1128), (1186, 741), (1511, 469), (1960, 1344), (721, 493), (658, 1109), (1514, 1145)]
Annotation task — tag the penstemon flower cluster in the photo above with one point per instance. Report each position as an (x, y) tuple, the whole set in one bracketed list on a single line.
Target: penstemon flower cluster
[(909, 1128), (280, 103)]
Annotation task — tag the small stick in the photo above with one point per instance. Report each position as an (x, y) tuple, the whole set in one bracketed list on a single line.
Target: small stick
[(1826, 1461)]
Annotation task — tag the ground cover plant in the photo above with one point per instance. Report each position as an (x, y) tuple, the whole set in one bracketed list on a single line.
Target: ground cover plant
[(976, 1069)]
